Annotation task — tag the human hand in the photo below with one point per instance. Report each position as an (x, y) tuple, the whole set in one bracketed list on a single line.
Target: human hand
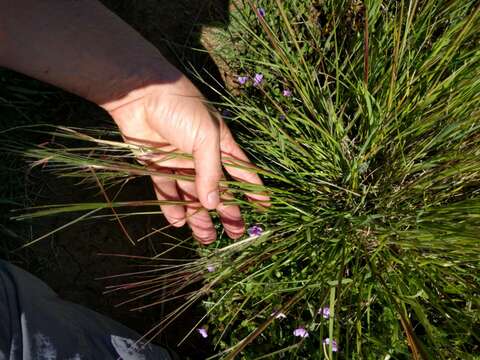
[(173, 117), (84, 48)]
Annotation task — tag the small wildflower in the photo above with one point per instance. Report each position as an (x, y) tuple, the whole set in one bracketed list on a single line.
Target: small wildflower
[(279, 315), (287, 92), (202, 331), (258, 79), (210, 268), (334, 344), (282, 117), (242, 80), (325, 312), (301, 332), (261, 12), (255, 230), (226, 113)]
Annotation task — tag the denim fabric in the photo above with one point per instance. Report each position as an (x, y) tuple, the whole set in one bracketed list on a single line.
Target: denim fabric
[(35, 324)]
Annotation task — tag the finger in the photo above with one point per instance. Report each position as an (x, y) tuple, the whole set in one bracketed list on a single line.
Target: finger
[(167, 161), (239, 166), (166, 189), (173, 160), (208, 168), (197, 217), (231, 217)]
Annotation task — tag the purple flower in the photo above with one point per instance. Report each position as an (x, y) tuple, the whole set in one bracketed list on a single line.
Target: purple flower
[(257, 79), (325, 312), (226, 113), (210, 268), (202, 331), (282, 117), (261, 12), (279, 315), (287, 92), (334, 344), (255, 230), (242, 80), (301, 332)]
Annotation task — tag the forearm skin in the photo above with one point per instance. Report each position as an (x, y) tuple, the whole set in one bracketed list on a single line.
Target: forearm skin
[(82, 47)]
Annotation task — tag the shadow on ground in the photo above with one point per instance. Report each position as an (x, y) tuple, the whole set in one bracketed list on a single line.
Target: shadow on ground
[(68, 261)]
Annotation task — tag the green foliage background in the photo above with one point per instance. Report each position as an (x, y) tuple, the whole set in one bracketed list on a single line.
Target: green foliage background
[(374, 169)]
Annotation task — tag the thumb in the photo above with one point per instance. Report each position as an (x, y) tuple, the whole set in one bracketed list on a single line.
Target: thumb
[(208, 168)]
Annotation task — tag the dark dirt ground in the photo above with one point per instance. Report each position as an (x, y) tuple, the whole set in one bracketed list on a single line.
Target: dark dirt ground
[(69, 260)]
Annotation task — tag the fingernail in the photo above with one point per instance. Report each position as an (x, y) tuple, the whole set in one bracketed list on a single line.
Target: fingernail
[(206, 240), (213, 199), (176, 221)]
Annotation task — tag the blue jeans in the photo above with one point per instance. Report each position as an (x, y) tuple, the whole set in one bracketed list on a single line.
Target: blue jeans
[(35, 324)]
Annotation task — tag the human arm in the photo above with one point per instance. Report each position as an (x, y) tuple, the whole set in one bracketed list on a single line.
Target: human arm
[(82, 47)]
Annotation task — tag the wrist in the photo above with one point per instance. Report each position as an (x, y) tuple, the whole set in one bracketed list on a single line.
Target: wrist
[(134, 82)]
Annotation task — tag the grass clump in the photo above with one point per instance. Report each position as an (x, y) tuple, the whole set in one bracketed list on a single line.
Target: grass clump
[(363, 118), (367, 115)]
